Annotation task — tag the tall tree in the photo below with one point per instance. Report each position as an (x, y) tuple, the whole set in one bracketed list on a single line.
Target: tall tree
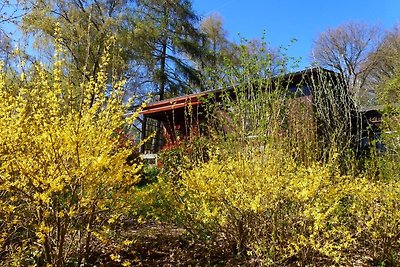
[(10, 13), (5, 48), (212, 28), (346, 49), (387, 72), (216, 50), (166, 36), (386, 57), (86, 25)]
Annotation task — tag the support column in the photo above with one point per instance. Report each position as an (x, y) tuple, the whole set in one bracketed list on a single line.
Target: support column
[(143, 135)]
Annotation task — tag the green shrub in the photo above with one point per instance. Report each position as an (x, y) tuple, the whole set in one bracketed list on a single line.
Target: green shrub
[(148, 175), (184, 155)]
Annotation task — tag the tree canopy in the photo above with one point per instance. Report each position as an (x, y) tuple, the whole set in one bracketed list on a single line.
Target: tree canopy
[(347, 49)]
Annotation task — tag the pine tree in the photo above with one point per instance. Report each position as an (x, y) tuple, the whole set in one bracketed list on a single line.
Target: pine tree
[(167, 37)]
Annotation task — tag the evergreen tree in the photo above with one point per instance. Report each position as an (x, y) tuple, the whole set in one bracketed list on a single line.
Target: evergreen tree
[(166, 37)]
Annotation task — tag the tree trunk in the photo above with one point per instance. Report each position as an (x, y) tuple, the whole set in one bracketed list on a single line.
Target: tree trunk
[(162, 82)]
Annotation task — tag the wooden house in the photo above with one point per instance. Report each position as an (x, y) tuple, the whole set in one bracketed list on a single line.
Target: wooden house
[(183, 115)]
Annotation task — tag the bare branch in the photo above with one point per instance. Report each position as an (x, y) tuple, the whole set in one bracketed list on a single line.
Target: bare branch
[(346, 49)]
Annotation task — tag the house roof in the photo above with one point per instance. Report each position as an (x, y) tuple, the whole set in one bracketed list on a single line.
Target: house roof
[(157, 109), (175, 103)]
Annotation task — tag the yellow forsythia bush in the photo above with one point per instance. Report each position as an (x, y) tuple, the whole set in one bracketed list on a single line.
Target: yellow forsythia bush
[(276, 211), (64, 175)]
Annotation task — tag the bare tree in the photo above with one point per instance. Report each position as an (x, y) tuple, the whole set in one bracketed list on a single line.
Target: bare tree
[(212, 28), (5, 47), (347, 49), (11, 12), (216, 49), (387, 57)]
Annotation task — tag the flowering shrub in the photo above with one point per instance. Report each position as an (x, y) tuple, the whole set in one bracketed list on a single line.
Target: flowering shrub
[(279, 182), (63, 174), (273, 210)]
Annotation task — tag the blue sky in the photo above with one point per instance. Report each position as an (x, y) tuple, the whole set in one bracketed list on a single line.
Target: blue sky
[(285, 20)]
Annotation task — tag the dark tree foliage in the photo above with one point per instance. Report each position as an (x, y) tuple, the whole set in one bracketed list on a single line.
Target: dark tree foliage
[(166, 37)]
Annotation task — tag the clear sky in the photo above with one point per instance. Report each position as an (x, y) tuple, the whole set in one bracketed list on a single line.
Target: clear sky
[(284, 20)]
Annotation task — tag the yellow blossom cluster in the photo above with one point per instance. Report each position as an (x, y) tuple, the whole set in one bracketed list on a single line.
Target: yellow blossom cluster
[(274, 209), (63, 173)]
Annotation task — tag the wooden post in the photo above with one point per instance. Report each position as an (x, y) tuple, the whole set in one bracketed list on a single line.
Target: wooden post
[(143, 137)]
